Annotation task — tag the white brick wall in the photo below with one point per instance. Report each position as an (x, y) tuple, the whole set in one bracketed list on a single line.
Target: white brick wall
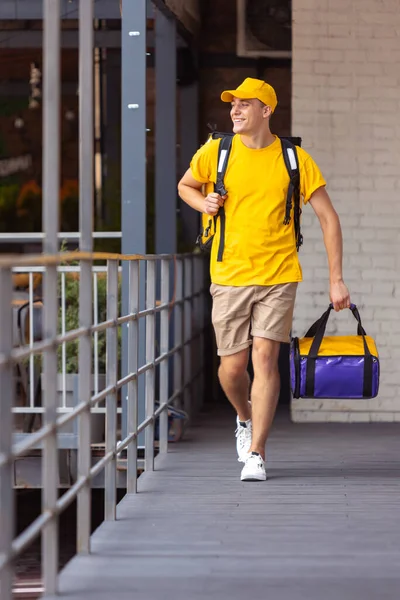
[(346, 106)]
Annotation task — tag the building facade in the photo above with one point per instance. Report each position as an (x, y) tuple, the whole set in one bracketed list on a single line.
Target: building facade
[(345, 105)]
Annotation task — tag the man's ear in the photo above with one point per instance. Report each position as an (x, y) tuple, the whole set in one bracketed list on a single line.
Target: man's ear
[(267, 112)]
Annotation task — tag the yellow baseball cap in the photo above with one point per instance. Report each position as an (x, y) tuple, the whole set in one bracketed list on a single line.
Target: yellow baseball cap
[(253, 88)]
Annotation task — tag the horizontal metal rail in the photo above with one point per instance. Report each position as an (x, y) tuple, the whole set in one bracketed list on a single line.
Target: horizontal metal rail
[(61, 269), (13, 261), (182, 302), (18, 238), (73, 335)]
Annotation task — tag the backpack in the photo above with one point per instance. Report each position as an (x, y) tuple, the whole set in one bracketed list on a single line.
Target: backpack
[(209, 223)]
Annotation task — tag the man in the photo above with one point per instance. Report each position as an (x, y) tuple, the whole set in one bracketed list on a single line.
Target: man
[(254, 286)]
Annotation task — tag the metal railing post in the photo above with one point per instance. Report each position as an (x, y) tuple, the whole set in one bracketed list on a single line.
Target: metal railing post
[(51, 185), (7, 510), (187, 320), (178, 331), (150, 356), (111, 400), (86, 190), (164, 347), (50, 448), (31, 358), (202, 324), (197, 350), (133, 353), (195, 353)]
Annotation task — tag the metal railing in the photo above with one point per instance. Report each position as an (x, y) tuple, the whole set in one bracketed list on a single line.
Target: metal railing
[(184, 302), (69, 236), (28, 325)]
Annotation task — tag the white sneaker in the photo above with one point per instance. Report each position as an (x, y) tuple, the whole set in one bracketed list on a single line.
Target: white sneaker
[(254, 468), (243, 439)]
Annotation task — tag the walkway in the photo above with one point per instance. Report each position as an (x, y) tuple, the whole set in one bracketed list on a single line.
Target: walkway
[(325, 526)]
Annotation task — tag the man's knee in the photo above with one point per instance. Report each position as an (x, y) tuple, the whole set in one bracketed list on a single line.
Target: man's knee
[(235, 365), (265, 356)]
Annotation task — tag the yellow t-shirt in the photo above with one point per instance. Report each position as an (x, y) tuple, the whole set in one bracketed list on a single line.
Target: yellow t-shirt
[(259, 248)]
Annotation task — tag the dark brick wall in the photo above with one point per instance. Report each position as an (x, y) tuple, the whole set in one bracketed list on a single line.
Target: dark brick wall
[(220, 69)]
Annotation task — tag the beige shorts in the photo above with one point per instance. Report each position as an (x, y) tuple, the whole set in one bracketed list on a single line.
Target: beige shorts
[(240, 313)]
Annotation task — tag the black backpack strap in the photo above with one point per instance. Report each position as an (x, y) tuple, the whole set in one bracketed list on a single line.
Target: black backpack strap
[(292, 165), (224, 151)]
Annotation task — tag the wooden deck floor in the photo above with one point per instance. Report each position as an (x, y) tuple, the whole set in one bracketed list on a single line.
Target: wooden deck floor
[(325, 526)]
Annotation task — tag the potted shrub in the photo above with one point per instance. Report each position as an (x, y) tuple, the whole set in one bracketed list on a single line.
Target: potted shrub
[(71, 348)]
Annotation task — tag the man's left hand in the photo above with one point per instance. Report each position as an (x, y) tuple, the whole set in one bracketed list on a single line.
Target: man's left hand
[(340, 296)]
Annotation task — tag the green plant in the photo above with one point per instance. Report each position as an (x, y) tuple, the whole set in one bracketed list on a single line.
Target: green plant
[(72, 321)]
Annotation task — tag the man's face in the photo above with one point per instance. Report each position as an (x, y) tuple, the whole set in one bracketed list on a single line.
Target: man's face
[(248, 116)]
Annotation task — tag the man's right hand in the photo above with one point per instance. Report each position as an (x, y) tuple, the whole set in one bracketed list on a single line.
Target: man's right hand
[(212, 203)]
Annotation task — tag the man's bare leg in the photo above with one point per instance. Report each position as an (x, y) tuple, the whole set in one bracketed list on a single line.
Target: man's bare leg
[(264, 391), (235, 382)]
